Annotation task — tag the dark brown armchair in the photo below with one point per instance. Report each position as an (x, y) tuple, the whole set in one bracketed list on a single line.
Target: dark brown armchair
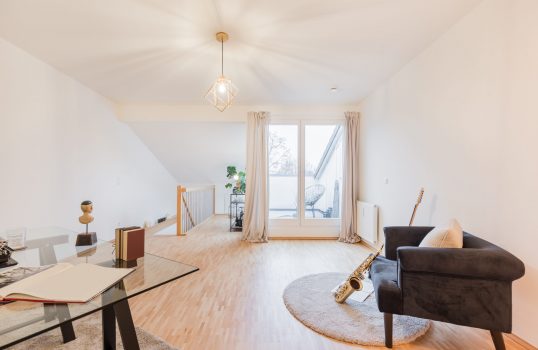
[(471, 286)]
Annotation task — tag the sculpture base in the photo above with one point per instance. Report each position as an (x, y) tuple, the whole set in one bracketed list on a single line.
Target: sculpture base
[(89, 238), (8, 263), (125, 263)]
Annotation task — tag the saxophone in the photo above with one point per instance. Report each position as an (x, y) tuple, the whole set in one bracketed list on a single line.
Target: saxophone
[(354, 281)]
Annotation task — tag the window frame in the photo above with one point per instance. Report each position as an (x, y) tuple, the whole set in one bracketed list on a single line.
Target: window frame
[(302, 226)]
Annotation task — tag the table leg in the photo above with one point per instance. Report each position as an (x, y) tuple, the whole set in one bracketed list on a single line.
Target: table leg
[(49, 312), (109, 328), (68, 332), (126, 325), (47, 255)]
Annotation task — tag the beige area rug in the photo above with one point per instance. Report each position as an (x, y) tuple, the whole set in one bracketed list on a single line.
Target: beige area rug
[(309, 299), (89, 337)]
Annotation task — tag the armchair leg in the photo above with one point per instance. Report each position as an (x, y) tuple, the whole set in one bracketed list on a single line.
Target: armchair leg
[(388, 329), (498, 340)]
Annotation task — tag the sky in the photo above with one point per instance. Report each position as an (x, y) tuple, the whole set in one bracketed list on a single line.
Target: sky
[(316, 139)]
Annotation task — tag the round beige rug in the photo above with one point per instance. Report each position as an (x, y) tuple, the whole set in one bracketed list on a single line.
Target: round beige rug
[(309, 299)]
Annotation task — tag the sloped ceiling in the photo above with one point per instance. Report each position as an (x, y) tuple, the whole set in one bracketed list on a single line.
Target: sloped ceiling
[(206, 148), (279, 52), (196, 153)]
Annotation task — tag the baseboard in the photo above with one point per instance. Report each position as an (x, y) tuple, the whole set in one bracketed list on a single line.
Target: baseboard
[(368, 245), (520, 341), (286, 238), (161, 225)]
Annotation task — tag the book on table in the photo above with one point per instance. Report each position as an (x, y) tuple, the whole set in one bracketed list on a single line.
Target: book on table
[(129, 243), (64, 283)]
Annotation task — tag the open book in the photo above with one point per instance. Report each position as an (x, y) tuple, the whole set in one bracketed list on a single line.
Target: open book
[(64, 283)]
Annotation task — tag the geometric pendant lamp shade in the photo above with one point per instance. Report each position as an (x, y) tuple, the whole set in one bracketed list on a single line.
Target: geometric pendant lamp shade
[(221, 93)]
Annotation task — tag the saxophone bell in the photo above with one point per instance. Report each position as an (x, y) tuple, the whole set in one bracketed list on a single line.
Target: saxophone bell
[(354, 282), (344, 290)]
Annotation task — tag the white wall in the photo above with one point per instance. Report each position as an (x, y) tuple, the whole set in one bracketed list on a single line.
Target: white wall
[(197, 153), (461, 119), (60, 143)]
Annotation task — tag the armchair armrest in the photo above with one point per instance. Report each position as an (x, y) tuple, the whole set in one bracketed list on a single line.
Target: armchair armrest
[(398, 236), (490, 264)]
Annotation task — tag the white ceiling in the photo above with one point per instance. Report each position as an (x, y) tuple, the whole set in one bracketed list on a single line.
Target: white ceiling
[(280, 51)]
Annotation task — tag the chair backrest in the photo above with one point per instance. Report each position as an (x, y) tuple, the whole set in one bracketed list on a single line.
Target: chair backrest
[(508, 264), (313, 193), (471, 241)]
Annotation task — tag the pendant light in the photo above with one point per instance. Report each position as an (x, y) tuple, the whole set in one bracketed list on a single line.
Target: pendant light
[(223, 91)]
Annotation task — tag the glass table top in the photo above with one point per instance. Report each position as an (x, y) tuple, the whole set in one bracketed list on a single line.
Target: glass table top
[(22, 320)]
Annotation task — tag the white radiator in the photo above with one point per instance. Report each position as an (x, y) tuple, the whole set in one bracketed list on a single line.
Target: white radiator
[(367, 221)]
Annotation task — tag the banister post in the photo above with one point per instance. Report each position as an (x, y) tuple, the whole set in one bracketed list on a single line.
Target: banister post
[(179, 213), (214, 199), (192, 207)]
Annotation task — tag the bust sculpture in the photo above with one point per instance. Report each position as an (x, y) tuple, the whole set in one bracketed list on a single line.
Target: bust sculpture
[(87, 208), (86, 238)]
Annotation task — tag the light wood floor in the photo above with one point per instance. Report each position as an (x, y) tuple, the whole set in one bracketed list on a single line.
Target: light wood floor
[(235, 300)]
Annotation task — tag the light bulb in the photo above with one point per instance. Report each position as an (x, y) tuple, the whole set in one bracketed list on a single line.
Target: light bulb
[(222, 88)]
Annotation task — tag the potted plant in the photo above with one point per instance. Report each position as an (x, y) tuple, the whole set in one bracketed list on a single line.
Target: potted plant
[(237, 180)]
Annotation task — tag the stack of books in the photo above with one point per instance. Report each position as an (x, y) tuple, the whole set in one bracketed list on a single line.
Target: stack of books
[(129, 243)]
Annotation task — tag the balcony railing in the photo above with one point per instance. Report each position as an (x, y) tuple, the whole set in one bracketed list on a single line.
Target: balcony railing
[(194, 205)]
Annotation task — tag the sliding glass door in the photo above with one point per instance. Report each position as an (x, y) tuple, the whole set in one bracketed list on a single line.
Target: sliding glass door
[(305, 178), (283, 168)]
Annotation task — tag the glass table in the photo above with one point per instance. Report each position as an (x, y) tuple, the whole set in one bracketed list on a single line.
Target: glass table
[(24, 320)]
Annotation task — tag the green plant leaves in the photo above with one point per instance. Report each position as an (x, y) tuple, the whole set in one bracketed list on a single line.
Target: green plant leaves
[(238, 183)]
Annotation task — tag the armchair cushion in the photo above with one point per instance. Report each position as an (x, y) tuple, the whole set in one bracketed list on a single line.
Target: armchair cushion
[(384, 275), (449, 235)]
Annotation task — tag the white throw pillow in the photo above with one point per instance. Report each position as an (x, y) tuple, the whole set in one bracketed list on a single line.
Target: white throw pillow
[(449, 235)]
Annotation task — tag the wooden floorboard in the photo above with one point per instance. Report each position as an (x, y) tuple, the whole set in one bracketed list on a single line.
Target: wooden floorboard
[(235, 300)]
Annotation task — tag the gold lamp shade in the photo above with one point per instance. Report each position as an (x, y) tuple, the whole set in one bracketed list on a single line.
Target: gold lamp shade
[(221, 93)]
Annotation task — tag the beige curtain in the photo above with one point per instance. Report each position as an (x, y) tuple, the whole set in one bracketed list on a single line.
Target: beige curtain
[(256, 198), (350, 188)]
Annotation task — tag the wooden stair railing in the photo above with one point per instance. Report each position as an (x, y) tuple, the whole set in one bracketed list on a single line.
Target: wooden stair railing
[(194, 205)]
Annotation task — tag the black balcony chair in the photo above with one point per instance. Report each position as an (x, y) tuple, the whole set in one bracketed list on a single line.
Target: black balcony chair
[(312, 195)]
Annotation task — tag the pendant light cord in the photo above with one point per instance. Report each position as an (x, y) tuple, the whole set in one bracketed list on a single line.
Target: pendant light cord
[(222, 57)]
